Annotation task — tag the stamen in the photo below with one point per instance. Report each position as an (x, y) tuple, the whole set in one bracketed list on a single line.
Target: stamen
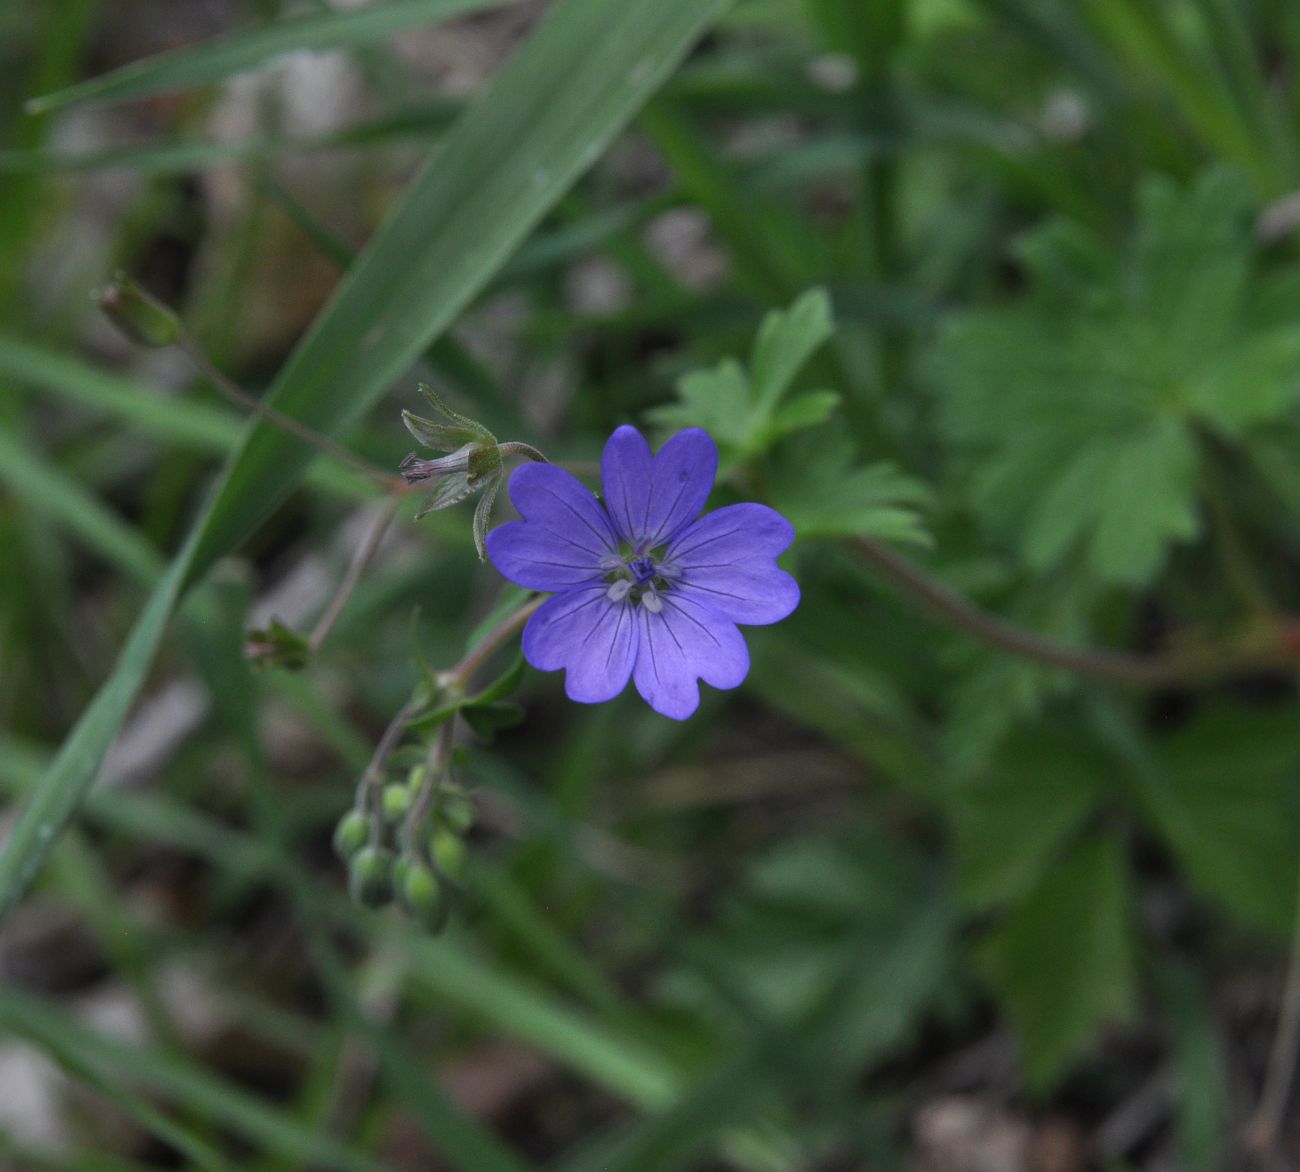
[(618, 590), (651, 601)]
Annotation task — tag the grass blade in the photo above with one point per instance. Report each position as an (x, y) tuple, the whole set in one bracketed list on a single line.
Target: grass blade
[(225, 56)]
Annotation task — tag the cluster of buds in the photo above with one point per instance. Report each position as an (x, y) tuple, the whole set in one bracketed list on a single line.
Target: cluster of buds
[(411, 849)]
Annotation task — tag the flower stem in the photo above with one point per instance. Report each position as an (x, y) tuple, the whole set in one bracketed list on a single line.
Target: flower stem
[(463, 672), (236, 394), (368, 788), (361, 559), (1143, 671), (435, 773)]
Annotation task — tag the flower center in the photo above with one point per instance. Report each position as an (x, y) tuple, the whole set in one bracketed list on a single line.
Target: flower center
[(638, 575)]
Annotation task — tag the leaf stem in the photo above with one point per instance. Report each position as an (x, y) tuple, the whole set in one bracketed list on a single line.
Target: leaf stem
[(1117, 667)]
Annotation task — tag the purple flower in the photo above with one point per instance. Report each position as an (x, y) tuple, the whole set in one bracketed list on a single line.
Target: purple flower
[(643, 588)]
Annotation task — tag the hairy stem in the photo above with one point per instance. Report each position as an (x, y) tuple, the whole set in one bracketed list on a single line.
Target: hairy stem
[(435, 773), (360, 560), (1144, 671), (464, 671), (368, 788), (236, 394)]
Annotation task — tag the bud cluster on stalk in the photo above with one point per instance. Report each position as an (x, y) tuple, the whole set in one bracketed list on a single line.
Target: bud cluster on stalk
[(417, 866)]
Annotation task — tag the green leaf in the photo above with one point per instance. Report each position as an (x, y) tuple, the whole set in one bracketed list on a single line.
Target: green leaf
[(225, 56), (786, 340), (803, 411), (1063, 960), (1202, 1078), (1128, 497), (742, 409), (1010, 823), (716, 399), (1228, 804), (566, 94), (817, 487), (488, 719), (1078, 405)]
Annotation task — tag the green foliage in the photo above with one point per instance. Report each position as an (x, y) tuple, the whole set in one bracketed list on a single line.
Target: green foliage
[(1011, 822), (1062, 372), (818, 485), (749, 410), (224, 56), (1063, 961), (1085, 398), (1225, 795)]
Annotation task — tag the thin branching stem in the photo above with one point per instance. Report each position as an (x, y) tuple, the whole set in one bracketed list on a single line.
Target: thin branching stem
[(368, 788), (236, 394), (464, 671), (436, 766), (360, 560)]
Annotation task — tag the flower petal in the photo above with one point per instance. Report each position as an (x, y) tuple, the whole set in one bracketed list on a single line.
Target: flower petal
[(589, 636), (625, 478), (685, 642), (725, 560), (651, 498), (536, 559), (550, 498)]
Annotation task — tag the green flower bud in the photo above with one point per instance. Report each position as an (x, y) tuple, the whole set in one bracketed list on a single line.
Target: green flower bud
[(351, 834), (370, 876), (448, 852), (456, 812), (140, 316), (396, 801), (422, 895)]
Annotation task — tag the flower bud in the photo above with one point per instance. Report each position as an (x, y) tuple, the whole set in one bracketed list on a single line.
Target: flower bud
[(456, 812), (396, 801), (370, 876), (422, 895), (140, 316), (351, 834), (448, 852)]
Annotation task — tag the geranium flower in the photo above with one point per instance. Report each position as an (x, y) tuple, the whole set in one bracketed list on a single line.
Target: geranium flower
[(645, 589)]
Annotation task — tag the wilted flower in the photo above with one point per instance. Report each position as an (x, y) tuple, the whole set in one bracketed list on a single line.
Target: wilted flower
[(643, 589), (474, 461)]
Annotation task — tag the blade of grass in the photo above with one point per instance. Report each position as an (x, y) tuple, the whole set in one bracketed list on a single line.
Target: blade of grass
[(180, 1080), (47, 491), (173, 157), (181, 422), (225, 56)]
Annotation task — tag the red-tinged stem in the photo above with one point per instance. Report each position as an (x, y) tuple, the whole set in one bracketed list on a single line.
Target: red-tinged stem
[(464, 671), (236, 394), (360, 560), (1117, 667)]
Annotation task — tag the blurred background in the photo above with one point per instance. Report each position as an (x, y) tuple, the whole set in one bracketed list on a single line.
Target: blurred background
[(991, 865)]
